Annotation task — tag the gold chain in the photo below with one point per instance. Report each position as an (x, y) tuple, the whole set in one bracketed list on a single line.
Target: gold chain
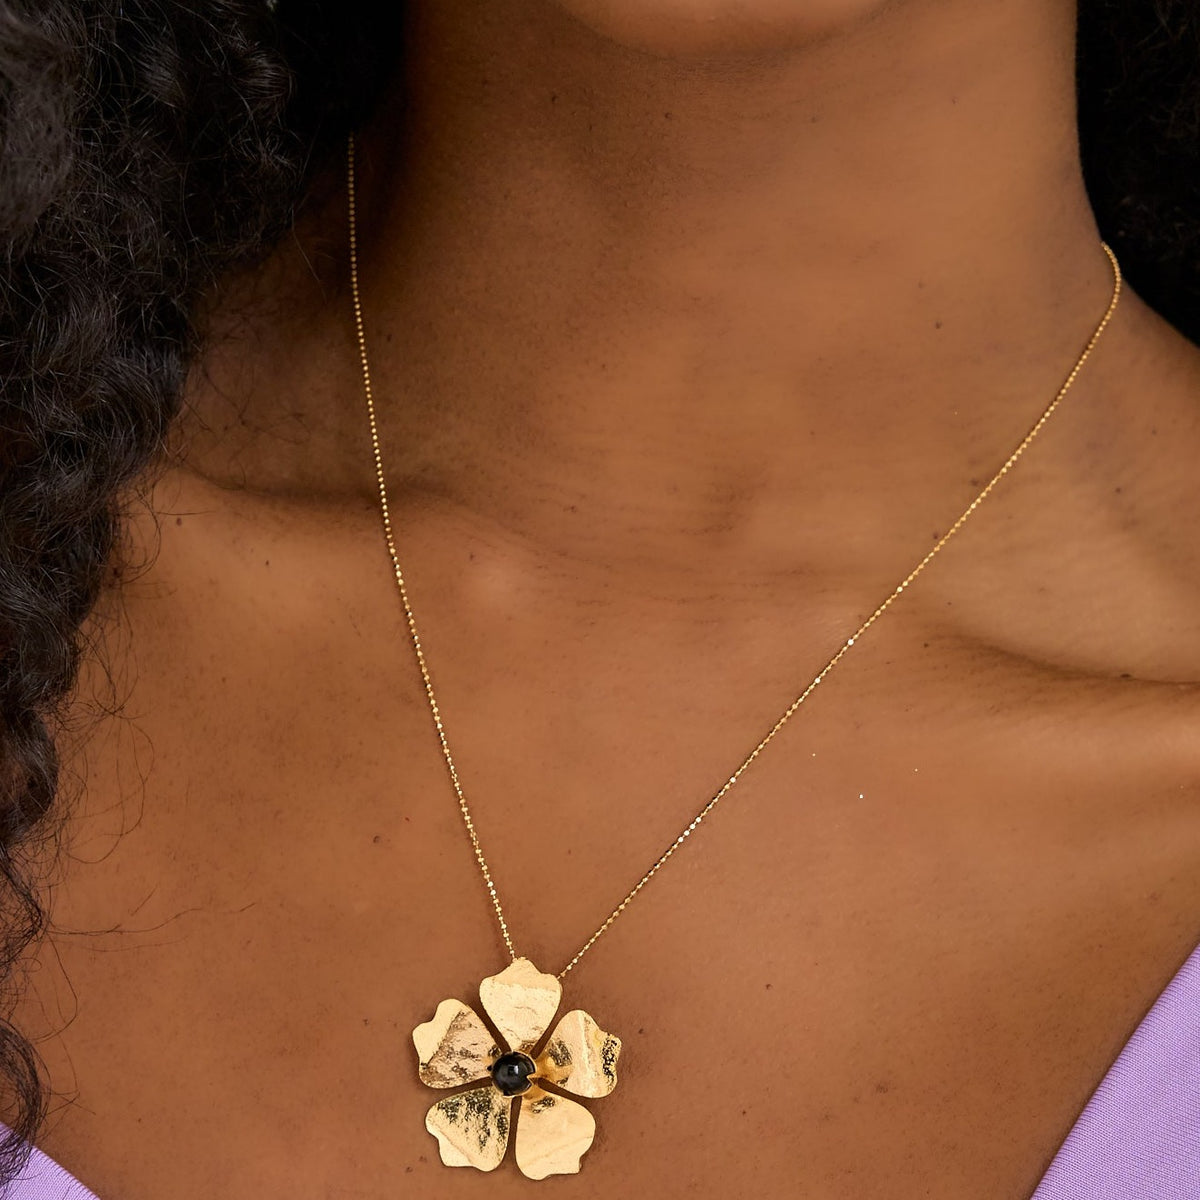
[(791, 708)]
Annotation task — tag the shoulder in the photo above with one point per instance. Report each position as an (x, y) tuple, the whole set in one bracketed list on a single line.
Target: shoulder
[(1087, 562)]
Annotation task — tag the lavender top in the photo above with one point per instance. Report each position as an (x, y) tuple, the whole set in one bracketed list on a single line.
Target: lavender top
[(1138, 1138)]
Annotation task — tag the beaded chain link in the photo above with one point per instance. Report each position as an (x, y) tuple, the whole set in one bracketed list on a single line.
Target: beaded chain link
[(843, 650)]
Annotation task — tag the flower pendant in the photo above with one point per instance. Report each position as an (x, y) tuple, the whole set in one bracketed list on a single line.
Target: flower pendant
[(472, 1126)]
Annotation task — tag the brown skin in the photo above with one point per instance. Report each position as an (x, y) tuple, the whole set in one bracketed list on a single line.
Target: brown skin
[(683, 357)]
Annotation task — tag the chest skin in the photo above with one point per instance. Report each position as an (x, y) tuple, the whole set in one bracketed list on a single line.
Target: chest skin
[(894, 962)]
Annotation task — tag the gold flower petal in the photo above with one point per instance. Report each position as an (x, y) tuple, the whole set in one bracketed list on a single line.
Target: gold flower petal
[(455, 1047), (521, 1002), (471, 1127), (553, 1134), (580, 1057)]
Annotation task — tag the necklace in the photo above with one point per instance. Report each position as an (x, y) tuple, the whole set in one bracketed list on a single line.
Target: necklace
[(513, 1056)]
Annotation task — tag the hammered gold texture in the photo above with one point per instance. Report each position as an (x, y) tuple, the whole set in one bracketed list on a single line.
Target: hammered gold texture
[(580, 1057), (471, 1127), (553, 1134), (521, 1001), (455, 1047)]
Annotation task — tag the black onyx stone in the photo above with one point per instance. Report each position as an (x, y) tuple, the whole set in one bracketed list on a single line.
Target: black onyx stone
[(511, 1072)]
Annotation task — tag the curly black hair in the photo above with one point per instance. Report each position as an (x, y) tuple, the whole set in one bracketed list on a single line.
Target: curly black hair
[(121, 124)]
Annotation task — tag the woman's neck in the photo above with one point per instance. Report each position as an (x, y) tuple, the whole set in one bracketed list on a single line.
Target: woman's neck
[(680, 291)]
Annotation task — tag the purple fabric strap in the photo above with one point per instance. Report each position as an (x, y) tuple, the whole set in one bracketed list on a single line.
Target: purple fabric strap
[(44, 1179), (1139, 1136), (1137, 1139)]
